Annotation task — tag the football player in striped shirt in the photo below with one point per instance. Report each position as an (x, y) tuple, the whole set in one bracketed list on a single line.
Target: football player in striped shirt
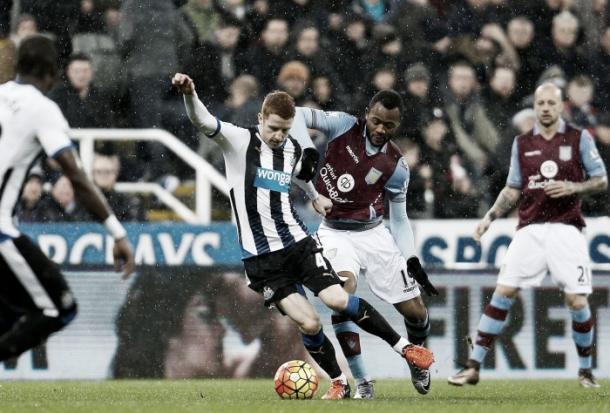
[(279, 255)]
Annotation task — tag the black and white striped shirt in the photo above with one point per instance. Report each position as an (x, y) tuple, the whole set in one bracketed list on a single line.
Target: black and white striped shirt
[(260, 178), (30, 123)]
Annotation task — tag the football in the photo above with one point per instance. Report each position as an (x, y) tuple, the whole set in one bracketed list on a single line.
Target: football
[(296, 379)]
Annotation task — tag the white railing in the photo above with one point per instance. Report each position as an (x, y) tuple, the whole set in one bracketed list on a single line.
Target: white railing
[(205, 174)]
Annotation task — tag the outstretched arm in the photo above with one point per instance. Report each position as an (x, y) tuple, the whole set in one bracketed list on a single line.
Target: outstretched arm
[(331, 124), (195, 109)]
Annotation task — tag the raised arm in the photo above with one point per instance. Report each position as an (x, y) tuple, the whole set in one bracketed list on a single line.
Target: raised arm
[(195, 109), (229, 137)]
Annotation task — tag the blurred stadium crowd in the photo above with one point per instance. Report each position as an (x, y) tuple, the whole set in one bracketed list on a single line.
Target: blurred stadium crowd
[(466, 69)]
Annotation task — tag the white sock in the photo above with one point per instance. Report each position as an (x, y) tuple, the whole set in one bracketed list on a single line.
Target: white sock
[(402, 343), (342, 377)]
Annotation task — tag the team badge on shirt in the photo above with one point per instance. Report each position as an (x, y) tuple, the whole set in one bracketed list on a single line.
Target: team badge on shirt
[(549, 169), (565, 153), (373, 176), (345, 183)]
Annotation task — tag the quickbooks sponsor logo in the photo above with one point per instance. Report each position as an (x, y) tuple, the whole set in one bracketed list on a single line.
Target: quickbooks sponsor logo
[(272, 180)]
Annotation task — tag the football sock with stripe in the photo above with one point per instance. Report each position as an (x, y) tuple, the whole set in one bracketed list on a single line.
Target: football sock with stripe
[(582, 333), (491, 324), (322, 351), (349, 340), (418, 330), (368, 318)]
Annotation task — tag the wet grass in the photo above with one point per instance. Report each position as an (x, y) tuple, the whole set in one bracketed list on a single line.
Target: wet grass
[(258, 396)]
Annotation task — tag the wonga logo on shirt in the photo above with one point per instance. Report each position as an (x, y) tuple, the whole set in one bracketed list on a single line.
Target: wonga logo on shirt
[(272, 180)]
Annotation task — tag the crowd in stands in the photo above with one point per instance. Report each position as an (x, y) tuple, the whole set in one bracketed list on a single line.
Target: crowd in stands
[(467, 70)]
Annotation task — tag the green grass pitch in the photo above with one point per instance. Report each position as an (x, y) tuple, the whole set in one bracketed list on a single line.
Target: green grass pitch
[(258, 396)]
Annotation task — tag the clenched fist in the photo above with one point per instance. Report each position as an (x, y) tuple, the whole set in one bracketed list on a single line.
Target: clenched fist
[(183, 83)]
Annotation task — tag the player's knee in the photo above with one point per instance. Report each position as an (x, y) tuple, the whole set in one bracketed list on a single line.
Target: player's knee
[(311, 325), (576, 301), (338, 303)]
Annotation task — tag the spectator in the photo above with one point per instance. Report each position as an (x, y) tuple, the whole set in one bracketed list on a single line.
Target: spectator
[(150, 56), (449, 189), (437, 52), (204, 18), (295, 10), (520, 33), (543, 12), (90, 18), (522, 122), (467, 18), (5, 18), (599, 204), (29, 207), (265, 59), (376, 11), (600, 67), (420, 184), (152, 33), (61, 205), (417, 100), (241, 108), (386, 50), (562, 49), (382, 78), (594, 15), (411, 18), (325, 95), (294, 79), (578, 108), (215, 64), (59, 18), (26, 26), (499, 97), (81, 103), (307, 50), (350, 49), (475, 135), (243, 104), (105, 172)]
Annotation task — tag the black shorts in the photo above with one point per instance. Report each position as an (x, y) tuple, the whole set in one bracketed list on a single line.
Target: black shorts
[(280, 273), (31, 282)]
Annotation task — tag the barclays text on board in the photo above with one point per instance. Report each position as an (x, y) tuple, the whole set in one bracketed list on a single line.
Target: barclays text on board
[(446, 243)]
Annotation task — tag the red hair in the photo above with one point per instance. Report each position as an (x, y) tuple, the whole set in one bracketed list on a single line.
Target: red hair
[(278, 103)]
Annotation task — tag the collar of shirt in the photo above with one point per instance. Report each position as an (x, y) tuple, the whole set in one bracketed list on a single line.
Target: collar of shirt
[(560, 129), (370, 148)]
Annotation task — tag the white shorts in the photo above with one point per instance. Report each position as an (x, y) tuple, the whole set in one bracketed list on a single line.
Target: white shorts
[(550, 248), (374, 254)]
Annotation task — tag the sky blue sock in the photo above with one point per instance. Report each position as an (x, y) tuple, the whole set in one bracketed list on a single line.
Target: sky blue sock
[(582, 333), (491, 324)]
